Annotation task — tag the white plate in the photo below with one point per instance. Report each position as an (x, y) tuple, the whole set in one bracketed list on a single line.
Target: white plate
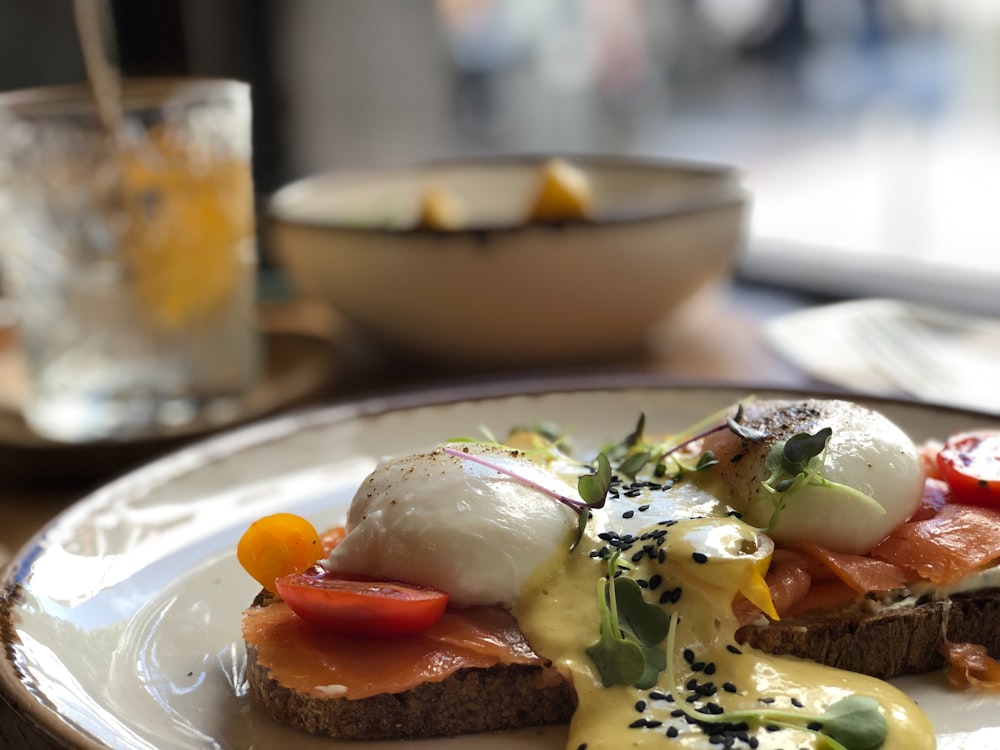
[(121, 621)]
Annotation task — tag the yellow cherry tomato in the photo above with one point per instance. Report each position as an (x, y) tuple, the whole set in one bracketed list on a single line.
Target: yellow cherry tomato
[(276, 546)]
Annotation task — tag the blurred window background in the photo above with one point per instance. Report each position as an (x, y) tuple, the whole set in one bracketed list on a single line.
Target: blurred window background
[(869, 130)]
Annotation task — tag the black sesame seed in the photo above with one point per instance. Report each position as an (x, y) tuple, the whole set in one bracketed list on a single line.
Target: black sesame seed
[(643, 583), (628, 514), (633, 493), (653, 724), (699, 557), (710, 668), (692, 684), (732, 649), (675, 595), (662, 557), (654, 581), (753, 742), (582, 746), (678, 713), (689, 656), (672, 732), (814, 726), (637, 724), (656, 695), (644, 507), (637, 556), (729, 687), (767, 700), (664, 597), (796, 702), (640, 706), (698, 666)]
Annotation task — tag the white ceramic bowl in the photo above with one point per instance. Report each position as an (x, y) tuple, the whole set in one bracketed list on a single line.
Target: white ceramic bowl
[(499, 291)]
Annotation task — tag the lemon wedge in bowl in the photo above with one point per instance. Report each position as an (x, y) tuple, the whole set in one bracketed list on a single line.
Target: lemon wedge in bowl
[(563, 194)]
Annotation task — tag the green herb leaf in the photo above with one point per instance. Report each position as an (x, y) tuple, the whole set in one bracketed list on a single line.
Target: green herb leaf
[(744, 431), (706, 460), (644, 621), (636, 436), (800, 449), (856, 723), (593, 488), (583, 516), (647, 625), (654, 662), (633, 464), (618, 660)]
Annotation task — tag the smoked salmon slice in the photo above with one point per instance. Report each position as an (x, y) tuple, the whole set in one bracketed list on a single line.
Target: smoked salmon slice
[(322, 663), (937, 494), (861, 573), (944, 549), (831, 594), (971, 666)]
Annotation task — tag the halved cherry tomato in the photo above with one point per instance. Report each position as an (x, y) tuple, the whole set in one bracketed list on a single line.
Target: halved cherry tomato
[(358, 605), (970, 463)]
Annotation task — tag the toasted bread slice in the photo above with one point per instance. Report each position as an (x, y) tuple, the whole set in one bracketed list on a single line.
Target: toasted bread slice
[(470, 700), (506, 696), (893, 640)]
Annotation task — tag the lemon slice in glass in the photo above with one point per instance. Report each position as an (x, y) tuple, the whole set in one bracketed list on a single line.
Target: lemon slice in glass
[(190, 229)]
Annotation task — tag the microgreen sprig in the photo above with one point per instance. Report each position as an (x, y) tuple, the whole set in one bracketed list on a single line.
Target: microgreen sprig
[(795, 463), (852, 723), (628, 651), (635, 452)]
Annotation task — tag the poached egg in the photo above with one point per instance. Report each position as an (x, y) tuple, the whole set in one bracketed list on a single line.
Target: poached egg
[(440, 520), (866, 453)]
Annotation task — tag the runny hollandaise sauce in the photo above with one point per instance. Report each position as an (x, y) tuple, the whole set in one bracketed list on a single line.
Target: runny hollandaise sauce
[(693, 568)]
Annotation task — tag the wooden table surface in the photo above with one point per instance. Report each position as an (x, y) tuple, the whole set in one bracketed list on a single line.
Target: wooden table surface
[(716, 340)]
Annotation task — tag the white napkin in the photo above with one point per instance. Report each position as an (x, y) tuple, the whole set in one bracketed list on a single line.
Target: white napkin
[(890, 347)]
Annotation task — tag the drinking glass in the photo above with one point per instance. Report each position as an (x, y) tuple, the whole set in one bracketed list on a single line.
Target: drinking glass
[(128, 253)]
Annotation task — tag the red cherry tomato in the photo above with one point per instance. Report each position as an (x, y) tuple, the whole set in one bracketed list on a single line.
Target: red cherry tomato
[(355, 605), (970, 463)]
